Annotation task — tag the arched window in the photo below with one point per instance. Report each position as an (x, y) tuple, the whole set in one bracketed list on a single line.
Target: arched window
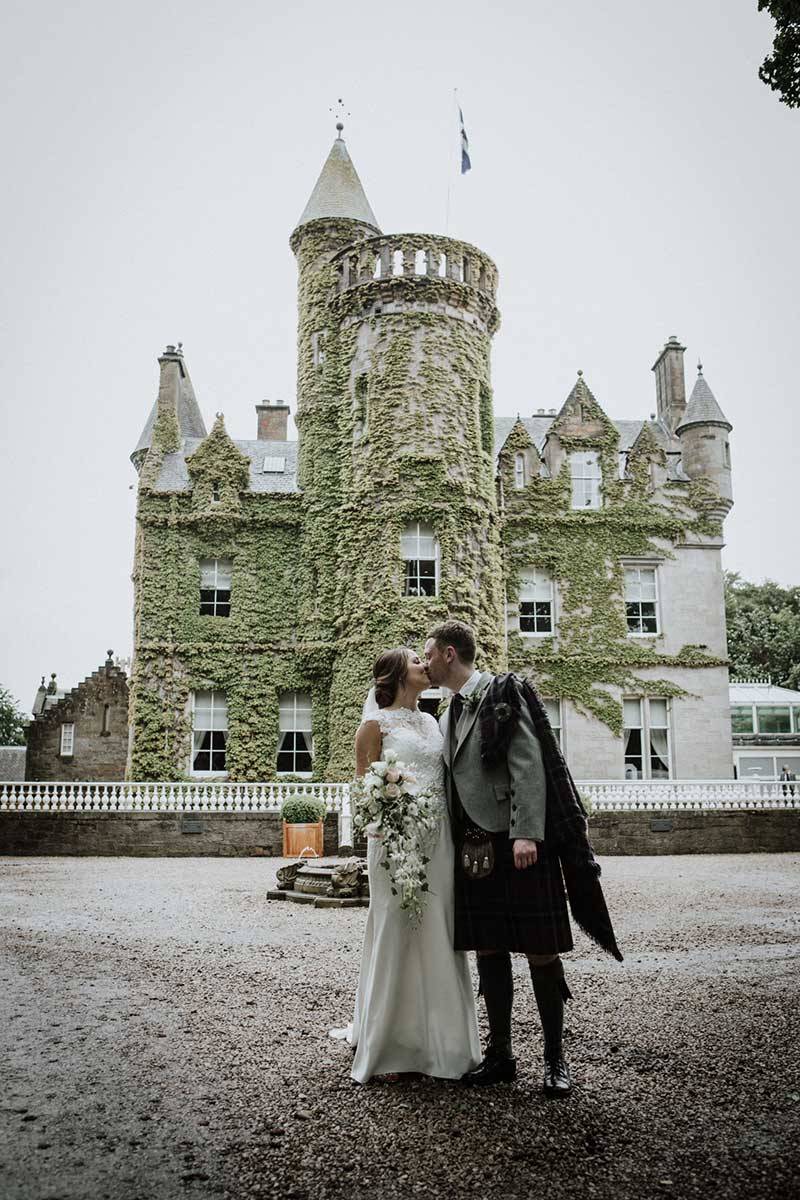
[(420, 549), (520, 470)]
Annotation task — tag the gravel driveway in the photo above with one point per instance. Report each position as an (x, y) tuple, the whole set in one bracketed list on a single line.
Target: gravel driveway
[(166, 1032)]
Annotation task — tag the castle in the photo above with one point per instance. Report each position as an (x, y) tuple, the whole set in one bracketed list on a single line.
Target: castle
[(268, 574)]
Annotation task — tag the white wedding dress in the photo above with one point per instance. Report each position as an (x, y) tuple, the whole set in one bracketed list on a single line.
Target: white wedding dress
[(414, 1009)]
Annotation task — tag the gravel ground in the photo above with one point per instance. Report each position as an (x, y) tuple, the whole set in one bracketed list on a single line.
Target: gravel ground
[(166, 1032)]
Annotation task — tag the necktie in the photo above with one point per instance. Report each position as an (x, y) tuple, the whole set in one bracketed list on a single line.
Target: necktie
[(456, 708)]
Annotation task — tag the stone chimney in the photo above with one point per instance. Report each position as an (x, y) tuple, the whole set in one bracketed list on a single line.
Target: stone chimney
[(670, 384), (273, 421)]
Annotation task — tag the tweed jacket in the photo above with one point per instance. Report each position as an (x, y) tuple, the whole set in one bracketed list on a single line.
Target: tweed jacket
[(508, 797)]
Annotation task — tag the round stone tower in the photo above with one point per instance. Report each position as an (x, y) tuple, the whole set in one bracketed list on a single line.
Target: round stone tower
[(703, 432), (396, 439)]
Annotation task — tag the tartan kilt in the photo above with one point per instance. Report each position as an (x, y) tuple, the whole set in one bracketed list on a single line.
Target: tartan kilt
[(523, 911)]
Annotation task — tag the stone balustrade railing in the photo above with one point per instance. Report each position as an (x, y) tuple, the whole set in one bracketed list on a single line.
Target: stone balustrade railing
[(603, 795), (193, 796), (408, 256), (705, 795)]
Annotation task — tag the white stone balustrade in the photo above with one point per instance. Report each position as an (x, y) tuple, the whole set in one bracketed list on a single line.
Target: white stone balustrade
[(193, 796), (684, 795), (196, 796)]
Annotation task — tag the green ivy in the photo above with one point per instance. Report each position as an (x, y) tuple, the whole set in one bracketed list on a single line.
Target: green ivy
[(584, 550)]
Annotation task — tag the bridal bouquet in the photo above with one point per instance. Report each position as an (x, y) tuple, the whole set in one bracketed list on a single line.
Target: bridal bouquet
[(390, 802)]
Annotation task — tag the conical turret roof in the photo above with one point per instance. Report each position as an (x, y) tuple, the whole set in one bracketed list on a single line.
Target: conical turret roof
[(175, 387), (702, 408), (338, 191)]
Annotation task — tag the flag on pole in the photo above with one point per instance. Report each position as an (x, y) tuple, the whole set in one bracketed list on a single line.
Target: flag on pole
[(466, 165)]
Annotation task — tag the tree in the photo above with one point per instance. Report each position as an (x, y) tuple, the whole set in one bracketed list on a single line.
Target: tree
[(763, 629), (781, 69), (13, 723)]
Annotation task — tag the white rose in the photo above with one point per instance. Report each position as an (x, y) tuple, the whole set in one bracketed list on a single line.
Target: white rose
[(380, 768), (391, 791)]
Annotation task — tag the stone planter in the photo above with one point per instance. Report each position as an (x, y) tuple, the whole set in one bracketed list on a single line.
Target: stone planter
[(303, 841)]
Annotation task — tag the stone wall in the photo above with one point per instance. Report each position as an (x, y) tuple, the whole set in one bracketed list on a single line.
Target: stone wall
[(243, 834), (715, 832), (224, 835), (98, 710)]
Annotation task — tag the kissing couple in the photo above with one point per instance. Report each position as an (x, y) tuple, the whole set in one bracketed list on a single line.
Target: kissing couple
[(511, 834)]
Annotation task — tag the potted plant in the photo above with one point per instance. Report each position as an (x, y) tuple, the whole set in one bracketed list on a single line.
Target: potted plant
[(303, 817)]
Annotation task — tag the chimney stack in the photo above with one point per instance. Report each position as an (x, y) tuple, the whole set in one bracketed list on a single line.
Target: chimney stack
[(670, 384), (273, 421)]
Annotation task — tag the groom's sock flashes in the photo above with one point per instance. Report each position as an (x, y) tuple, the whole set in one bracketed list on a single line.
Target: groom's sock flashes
[(550, 989), (497, 986)]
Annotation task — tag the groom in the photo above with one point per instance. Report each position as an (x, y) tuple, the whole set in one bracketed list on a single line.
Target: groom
[(509, 894)]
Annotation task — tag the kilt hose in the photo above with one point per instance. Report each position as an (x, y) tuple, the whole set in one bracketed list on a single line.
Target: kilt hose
[(522, 911)]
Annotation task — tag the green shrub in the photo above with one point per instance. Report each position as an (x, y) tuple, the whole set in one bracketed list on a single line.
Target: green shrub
[(302, 810)]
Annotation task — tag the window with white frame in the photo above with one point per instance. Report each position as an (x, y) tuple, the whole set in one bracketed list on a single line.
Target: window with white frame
[(295, 747), (67, 740), (553, 710), (420, 549), (209, 733), (641, 599), (520, 470), (535, 602), (646, 738), (586, 474), (215, 587)]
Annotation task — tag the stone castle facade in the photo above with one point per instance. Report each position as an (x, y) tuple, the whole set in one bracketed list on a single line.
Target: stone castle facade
[(268, 574)]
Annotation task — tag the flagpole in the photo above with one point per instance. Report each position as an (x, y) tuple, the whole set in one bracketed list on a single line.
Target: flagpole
[(449, 174)]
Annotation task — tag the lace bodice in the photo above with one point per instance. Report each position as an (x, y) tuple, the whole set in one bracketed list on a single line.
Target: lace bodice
[(415, 738)]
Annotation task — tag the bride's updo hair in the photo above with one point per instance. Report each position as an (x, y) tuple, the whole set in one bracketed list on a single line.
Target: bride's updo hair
[(390, 673)]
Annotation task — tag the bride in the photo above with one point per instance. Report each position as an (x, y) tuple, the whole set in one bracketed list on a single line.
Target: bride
[(414, 1008)]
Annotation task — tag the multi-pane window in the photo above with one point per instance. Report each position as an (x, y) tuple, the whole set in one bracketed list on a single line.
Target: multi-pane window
[(535, 602), (215, 587), (553, 710), (586, 474), (773, 718), (742, 718), (641, 600), (209, 733), (420, 551), (646, 738), (295, 748), (520, 470), (67, 740)]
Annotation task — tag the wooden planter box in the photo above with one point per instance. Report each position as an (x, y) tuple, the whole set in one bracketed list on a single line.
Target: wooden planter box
[(303, 840)]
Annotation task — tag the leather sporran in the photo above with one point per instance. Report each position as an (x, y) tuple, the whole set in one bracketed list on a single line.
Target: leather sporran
[(477, 854)]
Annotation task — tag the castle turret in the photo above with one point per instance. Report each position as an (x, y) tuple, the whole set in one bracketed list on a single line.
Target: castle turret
[(670, 384), (396, 438), (176, 414), (703, 434)]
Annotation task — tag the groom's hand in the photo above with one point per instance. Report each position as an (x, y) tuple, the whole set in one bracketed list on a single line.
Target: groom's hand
[(524, 853)]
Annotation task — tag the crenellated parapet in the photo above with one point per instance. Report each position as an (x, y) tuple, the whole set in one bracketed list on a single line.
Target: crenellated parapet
[(417, 273)]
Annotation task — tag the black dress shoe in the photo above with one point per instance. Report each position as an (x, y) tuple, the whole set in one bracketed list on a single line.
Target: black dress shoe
[(557, 1082), (495, 1068)]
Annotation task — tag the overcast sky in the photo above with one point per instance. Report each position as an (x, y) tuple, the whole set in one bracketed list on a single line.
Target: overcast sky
[(632, 179)]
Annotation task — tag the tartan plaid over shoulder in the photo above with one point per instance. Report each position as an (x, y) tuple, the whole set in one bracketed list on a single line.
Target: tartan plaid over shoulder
[(565, 824)]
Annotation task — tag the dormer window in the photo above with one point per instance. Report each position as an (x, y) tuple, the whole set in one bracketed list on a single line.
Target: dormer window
[(215, 492), (520, 471), (586, 475)]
